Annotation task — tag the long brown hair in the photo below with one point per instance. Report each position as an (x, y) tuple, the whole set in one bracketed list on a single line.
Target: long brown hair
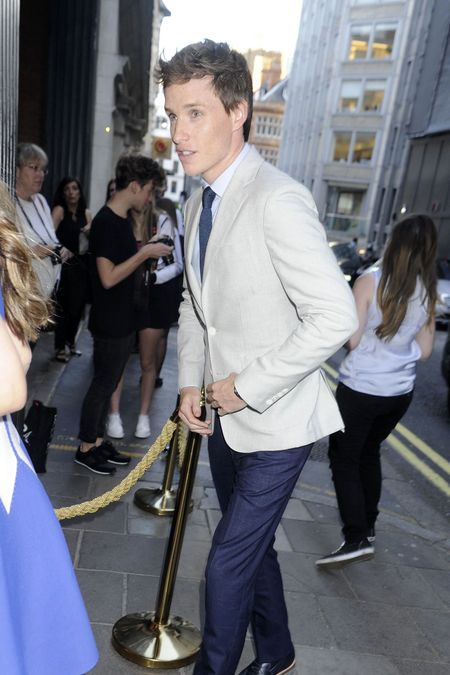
[(410, 255), (25, 308)]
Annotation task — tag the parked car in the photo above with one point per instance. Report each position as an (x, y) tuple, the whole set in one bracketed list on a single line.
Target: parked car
[(443, 289), (347, 258)]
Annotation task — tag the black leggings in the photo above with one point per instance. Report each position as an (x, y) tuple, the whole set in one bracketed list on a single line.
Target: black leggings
[(355, 455), (71, 297)]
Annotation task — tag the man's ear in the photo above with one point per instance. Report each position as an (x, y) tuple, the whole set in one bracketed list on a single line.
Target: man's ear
[(239, 115)]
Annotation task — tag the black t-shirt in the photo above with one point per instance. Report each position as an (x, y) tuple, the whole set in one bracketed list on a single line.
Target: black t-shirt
[(112, 314)]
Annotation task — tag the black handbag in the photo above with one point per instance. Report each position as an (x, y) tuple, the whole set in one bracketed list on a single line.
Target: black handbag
[(37, 433)]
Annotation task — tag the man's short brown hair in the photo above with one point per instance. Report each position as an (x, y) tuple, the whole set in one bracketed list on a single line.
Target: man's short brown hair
[(230, 74)]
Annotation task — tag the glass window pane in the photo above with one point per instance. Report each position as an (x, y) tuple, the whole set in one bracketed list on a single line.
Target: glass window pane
[(359, 42), (373, 95), (383, 41), (363, 148), (350, 93), (341, 146)]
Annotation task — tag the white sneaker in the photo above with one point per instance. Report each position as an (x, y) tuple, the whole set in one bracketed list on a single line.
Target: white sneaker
[(142, 427), (114, 426)]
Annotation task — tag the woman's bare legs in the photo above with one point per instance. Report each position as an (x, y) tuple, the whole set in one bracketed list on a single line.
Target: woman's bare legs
[(149, 339), (114, 407)]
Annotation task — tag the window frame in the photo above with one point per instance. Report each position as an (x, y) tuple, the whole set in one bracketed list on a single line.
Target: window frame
[(353, 134), (363, 88), (373, 24)]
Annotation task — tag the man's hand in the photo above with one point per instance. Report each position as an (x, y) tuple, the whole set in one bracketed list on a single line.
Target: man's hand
[(190, 411), (156, 250), (220, 395)]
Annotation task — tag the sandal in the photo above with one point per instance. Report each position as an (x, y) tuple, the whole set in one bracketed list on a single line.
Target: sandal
[(62, 356)]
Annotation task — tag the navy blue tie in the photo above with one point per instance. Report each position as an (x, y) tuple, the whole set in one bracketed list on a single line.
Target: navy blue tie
[(205, 224)]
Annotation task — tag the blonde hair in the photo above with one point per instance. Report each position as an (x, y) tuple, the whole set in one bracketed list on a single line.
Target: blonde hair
[(25, 307)]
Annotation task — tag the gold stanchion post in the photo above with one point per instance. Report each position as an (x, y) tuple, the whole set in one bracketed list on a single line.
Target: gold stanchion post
[(155, 639), (161, 501)]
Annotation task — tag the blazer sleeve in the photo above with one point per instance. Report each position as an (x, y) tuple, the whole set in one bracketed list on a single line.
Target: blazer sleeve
[(190, 344), (314, 284)]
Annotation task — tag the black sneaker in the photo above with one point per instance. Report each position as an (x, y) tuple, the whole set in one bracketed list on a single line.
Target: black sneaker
[(94, 461), (371, 535), (347, 553), (111, 455)]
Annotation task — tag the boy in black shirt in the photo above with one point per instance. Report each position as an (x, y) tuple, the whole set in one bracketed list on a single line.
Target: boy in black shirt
[(114, 258)]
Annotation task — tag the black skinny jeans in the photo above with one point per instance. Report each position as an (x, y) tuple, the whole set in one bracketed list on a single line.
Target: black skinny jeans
[(110, 358), (355, 455)]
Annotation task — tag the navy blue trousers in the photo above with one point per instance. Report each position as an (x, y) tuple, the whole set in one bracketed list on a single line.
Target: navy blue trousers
[(243, 579)]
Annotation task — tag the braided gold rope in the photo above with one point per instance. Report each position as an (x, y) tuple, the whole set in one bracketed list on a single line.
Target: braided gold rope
[(126, 484), (182, 441)]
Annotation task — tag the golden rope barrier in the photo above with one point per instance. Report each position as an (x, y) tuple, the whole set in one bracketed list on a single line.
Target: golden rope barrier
[(126, 484), (182, 441)]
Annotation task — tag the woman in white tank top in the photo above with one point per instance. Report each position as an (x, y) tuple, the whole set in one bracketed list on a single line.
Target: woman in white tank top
[(395, 302)]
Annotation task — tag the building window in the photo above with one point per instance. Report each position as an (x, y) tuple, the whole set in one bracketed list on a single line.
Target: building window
[(342, 142), (350, 95), (373, 95), (354, 147), (359, 42), (173, 186), (363, 146), (357, 96), (383, 41), (371, 41), (268, 125)]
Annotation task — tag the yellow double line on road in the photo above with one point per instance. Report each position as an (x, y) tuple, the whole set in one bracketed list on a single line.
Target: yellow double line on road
[(408, 454)]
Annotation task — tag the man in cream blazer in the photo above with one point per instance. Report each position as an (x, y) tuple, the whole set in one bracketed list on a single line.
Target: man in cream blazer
[(263, 307)]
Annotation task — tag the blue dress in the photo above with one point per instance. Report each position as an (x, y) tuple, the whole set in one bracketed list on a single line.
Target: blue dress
[(44, 627)]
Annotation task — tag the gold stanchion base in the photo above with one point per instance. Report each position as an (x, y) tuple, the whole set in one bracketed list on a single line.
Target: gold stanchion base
[(159, 502), (139, 639)]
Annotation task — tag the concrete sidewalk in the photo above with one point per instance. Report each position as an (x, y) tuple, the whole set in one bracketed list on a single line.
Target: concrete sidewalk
[(388, 616)]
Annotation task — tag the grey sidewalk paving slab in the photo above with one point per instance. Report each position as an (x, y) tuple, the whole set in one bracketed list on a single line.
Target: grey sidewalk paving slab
[(73, 540), (368, 627), (142, 595), (66, 485), (436, 626), (407, 667), (103, 593), (406, 549), (301, 575), (311, 537), (439, 580), (296, 510), (120, 553), (392, 584), (110, 519), (307, 622), (314, 661)]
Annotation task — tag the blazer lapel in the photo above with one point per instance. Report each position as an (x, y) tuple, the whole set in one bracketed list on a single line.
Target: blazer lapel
[(230, 205), (193, 210)]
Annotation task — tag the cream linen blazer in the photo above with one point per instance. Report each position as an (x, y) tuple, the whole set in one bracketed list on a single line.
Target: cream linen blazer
[(272, 307)]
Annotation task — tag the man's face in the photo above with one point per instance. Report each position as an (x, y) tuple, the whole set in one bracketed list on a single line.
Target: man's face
[(207, 138), (141, 195)]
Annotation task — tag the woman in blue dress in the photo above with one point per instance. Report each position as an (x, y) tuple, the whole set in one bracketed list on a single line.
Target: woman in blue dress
[(44, 628)]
